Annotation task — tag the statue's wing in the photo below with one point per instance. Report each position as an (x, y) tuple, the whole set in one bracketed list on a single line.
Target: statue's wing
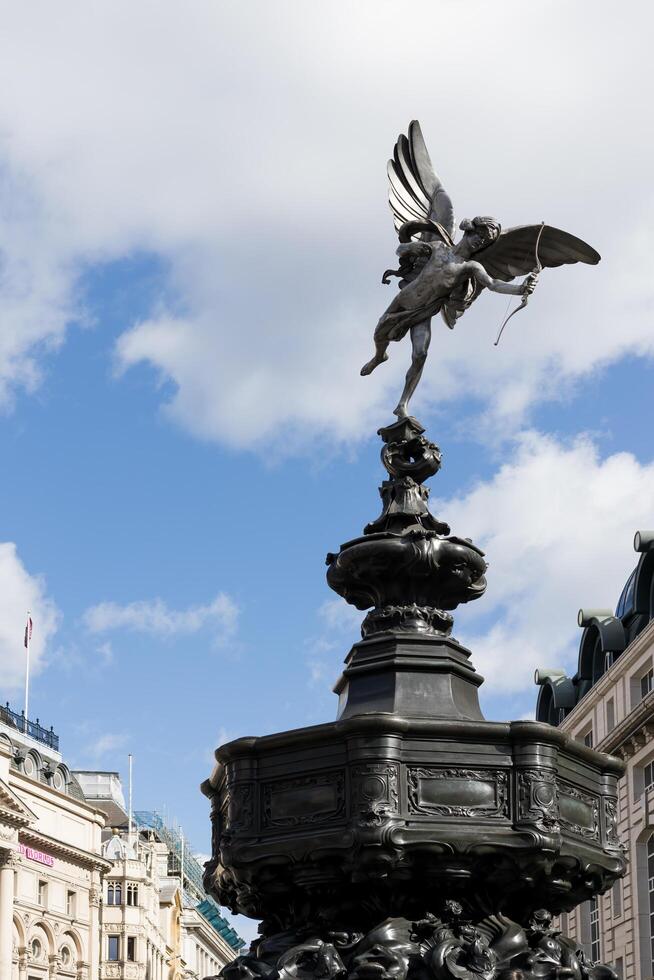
[(415, 191), (514, 252)]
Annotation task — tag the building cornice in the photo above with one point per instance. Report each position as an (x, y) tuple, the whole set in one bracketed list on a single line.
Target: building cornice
[(633, 732), (35, 787), (195, 923), (50, 845)]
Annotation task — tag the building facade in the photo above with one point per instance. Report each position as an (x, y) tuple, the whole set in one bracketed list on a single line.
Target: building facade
[(50, 861), (132, 942), (80, 900), (157, 922), (205, 945), (609, 705), (207, 941)]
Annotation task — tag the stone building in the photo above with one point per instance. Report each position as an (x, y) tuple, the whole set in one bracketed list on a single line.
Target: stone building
[(51, 866), (134, 944), (609, 704), (206, 940), (81, 900), (152, 927)]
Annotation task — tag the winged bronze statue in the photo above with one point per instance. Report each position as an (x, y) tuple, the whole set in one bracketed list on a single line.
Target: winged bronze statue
[(438, 274)]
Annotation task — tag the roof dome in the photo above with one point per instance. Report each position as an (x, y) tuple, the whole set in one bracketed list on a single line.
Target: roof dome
[(118, 849)]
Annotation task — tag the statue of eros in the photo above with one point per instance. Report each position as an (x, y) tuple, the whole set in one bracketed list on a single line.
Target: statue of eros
[(438, 275)]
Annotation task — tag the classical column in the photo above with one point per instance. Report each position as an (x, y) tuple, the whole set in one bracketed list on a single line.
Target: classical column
[(7, 865), (93, 955), (53, 966)]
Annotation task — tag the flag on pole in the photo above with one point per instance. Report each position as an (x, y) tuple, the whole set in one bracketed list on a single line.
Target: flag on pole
[(28, 637)]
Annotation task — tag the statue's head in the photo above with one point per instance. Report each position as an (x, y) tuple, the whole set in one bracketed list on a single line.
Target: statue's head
[(480, 231)]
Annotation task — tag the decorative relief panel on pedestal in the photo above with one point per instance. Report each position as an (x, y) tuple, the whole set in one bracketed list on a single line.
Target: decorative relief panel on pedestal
[(375, 795), (611, 822), (240, 809), (538, 798), (579, 811), (459, 792), (304, 800)]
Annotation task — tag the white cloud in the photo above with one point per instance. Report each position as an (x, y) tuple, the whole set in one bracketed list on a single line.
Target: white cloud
[(106, 653), (339, 624), (318, 672), (19, 592), (245, 146), (557, 524), (106, 744), (153, 616), (340, 617)]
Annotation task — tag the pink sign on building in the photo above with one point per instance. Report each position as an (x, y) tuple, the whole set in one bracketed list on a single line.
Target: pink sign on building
[(34, 855)]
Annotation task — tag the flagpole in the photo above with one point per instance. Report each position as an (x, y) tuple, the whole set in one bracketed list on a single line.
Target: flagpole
[(28, 637), (129, 820), (181, 874)]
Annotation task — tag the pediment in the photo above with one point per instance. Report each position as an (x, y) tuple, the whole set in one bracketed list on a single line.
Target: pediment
[(12, 808)]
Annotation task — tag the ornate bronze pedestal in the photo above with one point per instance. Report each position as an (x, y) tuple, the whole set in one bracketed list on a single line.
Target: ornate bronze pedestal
[(411, 837)]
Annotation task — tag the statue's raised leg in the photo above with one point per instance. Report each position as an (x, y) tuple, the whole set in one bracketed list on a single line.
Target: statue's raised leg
[(379, 358)]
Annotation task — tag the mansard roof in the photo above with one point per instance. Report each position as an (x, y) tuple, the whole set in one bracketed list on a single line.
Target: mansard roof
[(606, 634)]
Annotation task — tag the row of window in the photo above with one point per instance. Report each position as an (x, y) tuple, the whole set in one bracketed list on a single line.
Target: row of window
[(644, 684), (590, 916), (113, 948), (643, 776), (115, 893), (42, 899)]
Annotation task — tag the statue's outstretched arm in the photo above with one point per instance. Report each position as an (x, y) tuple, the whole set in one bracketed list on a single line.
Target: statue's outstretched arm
[(496, 285)]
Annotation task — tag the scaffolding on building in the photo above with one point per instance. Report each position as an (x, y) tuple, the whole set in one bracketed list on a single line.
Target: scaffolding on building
[(183, 863)]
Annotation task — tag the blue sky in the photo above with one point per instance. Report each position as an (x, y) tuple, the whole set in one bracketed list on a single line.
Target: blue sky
[(193, 225)]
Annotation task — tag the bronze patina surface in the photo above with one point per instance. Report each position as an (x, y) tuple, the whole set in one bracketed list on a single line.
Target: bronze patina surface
[(411, 838)]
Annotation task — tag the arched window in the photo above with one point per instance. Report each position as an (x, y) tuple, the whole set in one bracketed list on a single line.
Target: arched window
[(132, 894), (114, 893)]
